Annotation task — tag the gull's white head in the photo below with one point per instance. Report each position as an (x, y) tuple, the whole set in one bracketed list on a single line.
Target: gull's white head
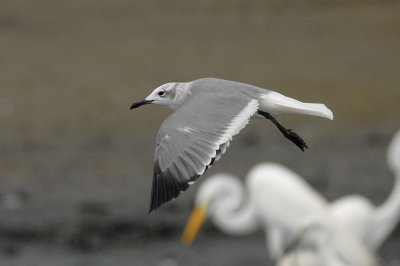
[(171, 95)]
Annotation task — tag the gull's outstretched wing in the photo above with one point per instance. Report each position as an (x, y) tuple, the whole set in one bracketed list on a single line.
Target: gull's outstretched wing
[(192, 138)]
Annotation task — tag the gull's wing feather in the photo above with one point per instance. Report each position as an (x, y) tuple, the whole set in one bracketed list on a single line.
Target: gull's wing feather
[(192, 138)]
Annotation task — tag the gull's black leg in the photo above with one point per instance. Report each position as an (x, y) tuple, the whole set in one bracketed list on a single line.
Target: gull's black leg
[(288, 133)]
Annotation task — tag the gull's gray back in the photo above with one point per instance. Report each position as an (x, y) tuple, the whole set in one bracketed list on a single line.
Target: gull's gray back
[(223, 88)]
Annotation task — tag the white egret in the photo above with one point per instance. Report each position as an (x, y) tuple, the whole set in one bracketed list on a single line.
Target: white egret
[(276, 200)]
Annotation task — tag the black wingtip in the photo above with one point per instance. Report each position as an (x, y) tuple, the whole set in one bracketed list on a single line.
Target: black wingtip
[(165, 187), (152, 206)]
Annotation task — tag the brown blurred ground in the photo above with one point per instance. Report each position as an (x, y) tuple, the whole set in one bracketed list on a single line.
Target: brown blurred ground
[(81, 163)]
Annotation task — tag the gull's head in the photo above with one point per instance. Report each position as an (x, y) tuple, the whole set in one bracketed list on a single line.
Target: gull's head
[(168, 95)]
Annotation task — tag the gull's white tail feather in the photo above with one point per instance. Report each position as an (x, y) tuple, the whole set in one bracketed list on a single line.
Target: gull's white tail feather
[(276, 103)]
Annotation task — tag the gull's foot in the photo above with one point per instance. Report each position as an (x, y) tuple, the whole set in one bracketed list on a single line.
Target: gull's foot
[(293, 137), (288, 133)]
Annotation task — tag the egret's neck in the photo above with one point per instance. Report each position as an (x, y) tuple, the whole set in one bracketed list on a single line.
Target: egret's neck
[(241, 220), (387, 215)]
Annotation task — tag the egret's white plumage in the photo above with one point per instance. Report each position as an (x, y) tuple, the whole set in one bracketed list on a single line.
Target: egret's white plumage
[(228, 205), (207, 114), (315, 247), (277, 201), (370, 224)]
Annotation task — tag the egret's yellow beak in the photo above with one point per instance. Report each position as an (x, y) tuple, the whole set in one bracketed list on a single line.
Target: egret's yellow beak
[(195, 221)]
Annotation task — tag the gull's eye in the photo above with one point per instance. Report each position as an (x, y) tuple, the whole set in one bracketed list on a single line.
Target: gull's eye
[(161, 93)]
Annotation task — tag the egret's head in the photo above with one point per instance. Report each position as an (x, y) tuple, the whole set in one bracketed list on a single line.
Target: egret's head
[(164, 95), (217, 194)]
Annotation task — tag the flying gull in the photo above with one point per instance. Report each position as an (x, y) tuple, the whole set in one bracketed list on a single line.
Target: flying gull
[(208, 112)]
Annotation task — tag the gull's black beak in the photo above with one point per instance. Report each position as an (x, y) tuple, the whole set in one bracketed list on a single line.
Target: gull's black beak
[(140, 103)]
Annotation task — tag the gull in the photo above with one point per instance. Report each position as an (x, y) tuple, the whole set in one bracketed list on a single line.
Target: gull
[(208, 112)]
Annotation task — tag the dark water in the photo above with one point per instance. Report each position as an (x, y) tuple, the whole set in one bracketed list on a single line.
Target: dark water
[(103, 220)]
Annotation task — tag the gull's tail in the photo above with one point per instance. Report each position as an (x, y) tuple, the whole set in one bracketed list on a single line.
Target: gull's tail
[(276, 103)]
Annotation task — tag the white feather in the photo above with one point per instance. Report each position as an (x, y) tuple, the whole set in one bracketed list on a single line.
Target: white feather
[(276, 103)]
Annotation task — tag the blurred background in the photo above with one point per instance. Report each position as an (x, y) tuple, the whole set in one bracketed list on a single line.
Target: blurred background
[(76, 164)]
